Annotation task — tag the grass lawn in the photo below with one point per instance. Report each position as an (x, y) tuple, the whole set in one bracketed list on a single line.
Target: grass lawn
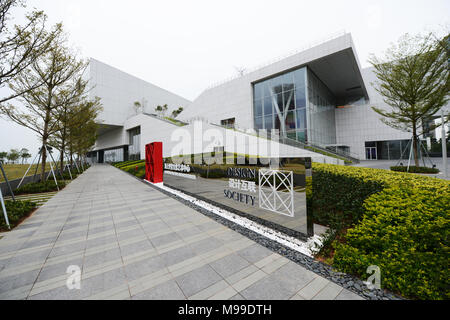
[(16, 171)]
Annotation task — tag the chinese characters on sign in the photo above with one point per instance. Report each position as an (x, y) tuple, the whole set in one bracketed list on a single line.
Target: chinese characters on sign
[(242, 185)]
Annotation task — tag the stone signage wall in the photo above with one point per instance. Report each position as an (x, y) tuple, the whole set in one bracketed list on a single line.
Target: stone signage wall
[(274, 197)]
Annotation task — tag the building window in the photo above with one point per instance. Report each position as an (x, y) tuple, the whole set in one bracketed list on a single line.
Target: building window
[(293, 101), (228, 123), (114, 155), (388, 150), (134, 147)]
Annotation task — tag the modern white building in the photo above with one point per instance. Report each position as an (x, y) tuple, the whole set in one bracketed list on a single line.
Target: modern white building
[(319, 97)]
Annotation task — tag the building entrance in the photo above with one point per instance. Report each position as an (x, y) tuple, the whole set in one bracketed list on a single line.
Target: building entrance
[(371, 153)]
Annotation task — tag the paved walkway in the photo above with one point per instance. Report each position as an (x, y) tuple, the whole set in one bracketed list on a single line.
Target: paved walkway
[(133, 242)]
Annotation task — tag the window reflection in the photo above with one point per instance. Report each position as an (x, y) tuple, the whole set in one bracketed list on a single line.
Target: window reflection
[(283, 96)]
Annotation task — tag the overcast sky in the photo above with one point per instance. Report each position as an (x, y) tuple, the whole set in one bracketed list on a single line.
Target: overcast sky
[(185, 46)]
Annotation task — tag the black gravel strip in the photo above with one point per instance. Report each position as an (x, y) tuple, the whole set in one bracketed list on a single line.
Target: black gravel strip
[(347, 281)]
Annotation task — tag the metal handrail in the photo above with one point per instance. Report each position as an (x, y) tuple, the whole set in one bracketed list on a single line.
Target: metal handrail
[(294, 143)]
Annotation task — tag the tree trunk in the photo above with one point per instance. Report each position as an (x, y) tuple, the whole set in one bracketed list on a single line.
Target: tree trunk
[(44, 145), (61, 160), (415, 146)]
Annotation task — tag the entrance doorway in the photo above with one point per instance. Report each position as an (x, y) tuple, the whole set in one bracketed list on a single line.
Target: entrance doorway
[(371, 153)]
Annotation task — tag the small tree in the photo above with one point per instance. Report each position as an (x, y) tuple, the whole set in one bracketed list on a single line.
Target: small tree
[(24, 154), (3, 156), (161, 110), (21, 46), (176, 113), (13, 155), (57, 68), (413, 79), (137, 107)]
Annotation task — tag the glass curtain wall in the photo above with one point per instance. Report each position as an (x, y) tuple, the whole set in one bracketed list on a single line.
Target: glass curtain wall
[(134, 148), (298, 104), (280, 103), (115, 155), (321, 112)]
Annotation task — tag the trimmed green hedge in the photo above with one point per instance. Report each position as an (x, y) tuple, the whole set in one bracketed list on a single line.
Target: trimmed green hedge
[(17, 210), (414, 169), (38, 187), (120, 165), (398, 221), (136, 168)]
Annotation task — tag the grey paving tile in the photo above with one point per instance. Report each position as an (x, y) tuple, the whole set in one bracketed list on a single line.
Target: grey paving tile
[(95, 242), (58, 270), (142, 246), (164, 239), (177, 255), (168, 290), (61, 293), (103, 282), (296, 273), (189, 232), (27, 258), (254, 253), (197, 280), (348, 295), (229, 265), (205, 245), (18, 280), (143, 268), (67, 249), (272, 287), (101, 257)]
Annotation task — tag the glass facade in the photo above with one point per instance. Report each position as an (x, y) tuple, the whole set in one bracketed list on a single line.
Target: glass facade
[(114, 155), (387, 150), (134, 148), (280, 103), (321, 112), (298, 104)]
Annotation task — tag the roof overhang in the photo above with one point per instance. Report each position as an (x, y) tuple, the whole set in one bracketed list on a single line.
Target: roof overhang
[(104, 128), (340, 72)]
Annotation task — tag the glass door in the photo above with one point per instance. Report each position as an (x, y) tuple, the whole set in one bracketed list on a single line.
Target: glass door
[(371, 153)]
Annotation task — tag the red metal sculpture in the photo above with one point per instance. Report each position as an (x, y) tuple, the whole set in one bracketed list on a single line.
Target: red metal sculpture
[(154, 162)]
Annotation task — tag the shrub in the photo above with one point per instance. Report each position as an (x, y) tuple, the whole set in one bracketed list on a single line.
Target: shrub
[(414, 169), (398, 221), (17, 210), (405, 231), (38, 187)]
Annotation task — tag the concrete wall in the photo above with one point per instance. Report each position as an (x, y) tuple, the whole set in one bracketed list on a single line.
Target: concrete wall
[(119, 90)]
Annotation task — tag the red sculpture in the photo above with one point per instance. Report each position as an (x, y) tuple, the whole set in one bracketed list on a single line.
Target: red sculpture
[(154, 162)]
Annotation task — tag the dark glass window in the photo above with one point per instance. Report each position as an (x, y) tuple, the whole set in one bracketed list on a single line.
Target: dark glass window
[(268, 106), (259, 123), (258, 108), (301, 119), (259, 89), (268, 122), (290, 120)]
